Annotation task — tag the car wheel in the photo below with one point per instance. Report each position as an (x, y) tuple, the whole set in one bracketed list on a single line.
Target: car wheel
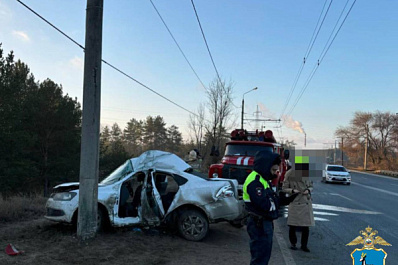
[(100, 220), (193, 225), (348, 183)]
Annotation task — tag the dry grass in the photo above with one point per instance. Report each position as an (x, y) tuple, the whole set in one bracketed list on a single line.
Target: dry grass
[(19, 208)]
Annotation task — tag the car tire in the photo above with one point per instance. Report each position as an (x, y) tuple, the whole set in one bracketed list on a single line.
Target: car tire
[(100, 220), (192, 225), (348, 183)]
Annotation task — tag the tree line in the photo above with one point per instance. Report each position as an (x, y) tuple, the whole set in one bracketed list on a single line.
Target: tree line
[(40, 134), (117, 145), (39, 130), (376, 132)]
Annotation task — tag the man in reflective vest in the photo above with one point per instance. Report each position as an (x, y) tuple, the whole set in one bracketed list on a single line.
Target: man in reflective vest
[(262, 204)]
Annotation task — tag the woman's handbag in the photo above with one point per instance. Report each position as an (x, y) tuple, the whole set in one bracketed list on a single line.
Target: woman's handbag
[(290, 198)]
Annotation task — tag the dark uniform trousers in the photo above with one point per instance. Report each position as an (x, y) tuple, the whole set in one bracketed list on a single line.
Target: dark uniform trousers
[(261, 232)]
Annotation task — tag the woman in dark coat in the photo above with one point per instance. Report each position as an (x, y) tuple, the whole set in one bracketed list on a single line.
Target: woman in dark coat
[(300, 212)]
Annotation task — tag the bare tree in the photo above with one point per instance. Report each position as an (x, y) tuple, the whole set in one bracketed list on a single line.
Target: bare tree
[(220, 109), (381, 131), (196, 125)]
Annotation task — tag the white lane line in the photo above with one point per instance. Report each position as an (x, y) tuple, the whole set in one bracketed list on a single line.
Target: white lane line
[(320, 219), (336, 194), (287, 255), (325, 213), (341, 209), (377, 189), (375, 175)]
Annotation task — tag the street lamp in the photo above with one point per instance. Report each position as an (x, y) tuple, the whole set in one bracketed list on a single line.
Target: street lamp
[(243, 104)]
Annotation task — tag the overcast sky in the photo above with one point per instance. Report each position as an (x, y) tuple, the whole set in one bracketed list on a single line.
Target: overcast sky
[(254, 43)]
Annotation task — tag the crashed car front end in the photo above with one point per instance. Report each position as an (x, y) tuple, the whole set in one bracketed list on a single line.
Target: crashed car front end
[(62, 203)]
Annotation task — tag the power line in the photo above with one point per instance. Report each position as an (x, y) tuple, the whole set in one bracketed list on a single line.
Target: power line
[(175, 41), (306, 55), (208, 49), (316, 36), (349, 11), (110, 65), (57, 29), (337, 22), (321, 56)]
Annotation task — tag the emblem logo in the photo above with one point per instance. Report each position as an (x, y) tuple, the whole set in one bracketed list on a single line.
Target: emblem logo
[(368, 254), (259, 191)]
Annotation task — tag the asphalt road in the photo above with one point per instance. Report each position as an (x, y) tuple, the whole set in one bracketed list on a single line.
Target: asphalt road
[(341, 211)]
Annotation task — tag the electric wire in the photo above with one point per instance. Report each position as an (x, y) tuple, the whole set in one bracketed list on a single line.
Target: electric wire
[(319, 29), (349, 11), (48, 22), (110, 65), (334, 28), (175, 41), (208, 49), (306, 55), (320, 59)]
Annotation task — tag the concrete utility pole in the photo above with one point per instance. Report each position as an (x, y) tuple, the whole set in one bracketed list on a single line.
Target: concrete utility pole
[(243, 106), (335, 150), (305, 139), (342, 154), (365, 160), (88, 197)]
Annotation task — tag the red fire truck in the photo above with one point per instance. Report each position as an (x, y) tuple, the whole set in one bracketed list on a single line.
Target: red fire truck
[(238, 159)]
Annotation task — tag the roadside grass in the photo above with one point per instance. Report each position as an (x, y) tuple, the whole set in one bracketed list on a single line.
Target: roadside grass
[(20, 208), (393, 174)]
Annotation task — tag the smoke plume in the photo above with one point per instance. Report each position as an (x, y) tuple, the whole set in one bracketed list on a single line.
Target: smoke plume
[(295, 125)]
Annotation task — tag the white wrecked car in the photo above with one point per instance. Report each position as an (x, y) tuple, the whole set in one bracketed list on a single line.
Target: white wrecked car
[(152, 189)]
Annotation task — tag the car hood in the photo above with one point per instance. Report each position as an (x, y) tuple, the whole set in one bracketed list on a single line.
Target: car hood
[(159, 160), (64, 187)]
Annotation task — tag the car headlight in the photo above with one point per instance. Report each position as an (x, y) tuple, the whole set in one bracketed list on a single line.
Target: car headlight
[(64, 196)]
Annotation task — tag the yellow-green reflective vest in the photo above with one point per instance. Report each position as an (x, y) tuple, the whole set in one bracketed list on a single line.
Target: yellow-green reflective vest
[(250, 179)]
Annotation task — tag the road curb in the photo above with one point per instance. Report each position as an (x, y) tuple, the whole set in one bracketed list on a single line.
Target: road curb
[(283, 246)]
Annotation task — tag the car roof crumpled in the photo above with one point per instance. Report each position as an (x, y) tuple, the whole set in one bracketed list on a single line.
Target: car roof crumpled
[(156, 159)]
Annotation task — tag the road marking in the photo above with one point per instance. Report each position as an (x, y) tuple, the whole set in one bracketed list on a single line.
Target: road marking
[(325, 213), (341, 209), (377, 189), (287, 255), (336, 194), (320, 219)]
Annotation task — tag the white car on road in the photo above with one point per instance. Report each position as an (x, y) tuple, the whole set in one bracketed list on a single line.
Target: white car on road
[(336, 173), (152, 189)]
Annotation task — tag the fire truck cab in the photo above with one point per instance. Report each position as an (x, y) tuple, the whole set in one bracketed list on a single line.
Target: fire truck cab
[(238, 159)]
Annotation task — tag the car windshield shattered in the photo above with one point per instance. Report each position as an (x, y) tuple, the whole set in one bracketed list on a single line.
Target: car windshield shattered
[(339, 169), (118, 174)]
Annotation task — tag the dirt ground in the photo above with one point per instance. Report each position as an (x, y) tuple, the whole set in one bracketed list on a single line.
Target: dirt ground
[(46, 242)]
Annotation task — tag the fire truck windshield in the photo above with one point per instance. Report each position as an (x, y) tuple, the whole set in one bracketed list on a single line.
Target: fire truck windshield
[(245, 150)]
